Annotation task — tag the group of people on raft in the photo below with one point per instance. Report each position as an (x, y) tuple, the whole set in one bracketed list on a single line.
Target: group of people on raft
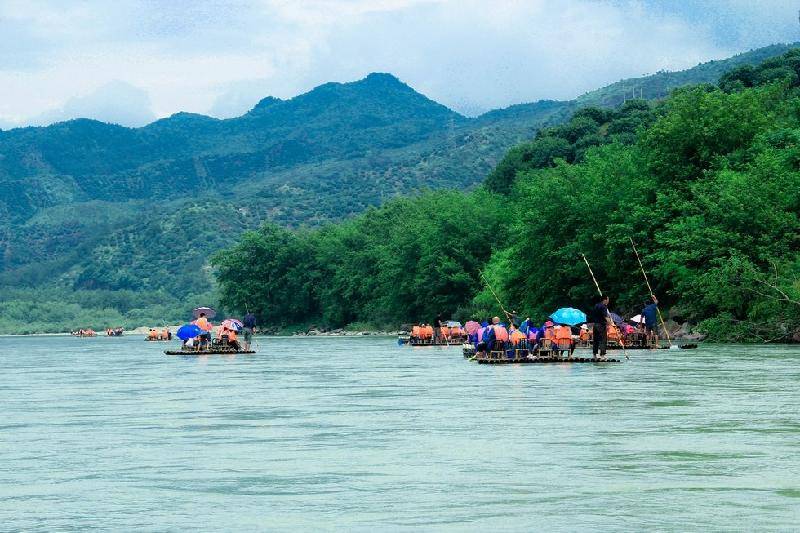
[(89, 332), (159, 335), (226, 337), (558, 339), (496, 336), (441, 332)]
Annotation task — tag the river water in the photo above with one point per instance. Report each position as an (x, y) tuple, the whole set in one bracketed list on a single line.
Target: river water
[(360, 434)]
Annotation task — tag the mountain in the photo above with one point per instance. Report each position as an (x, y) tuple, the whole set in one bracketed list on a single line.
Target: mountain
[(89, 209), (89, 160), (662, 83)]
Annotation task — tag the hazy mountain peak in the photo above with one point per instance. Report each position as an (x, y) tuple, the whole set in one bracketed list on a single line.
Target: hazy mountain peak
[(265, 103), (383, 78)]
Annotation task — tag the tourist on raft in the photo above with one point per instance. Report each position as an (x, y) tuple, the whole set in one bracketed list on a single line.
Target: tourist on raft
[(495, 336), (203, 323), (228, 336)]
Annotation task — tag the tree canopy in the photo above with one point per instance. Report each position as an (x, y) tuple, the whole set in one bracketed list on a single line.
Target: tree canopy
[(706, 182)]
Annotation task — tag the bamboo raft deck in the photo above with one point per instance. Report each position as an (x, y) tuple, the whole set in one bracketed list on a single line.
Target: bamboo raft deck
[(469, 350), (208, 352), (502, 360), (428, 342)]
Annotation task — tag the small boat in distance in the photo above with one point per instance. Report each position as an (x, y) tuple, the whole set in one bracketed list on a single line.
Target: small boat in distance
[(451, 333), (159, 335)]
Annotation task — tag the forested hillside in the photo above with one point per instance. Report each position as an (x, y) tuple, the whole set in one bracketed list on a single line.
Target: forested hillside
[(89, 209), (707, 182)]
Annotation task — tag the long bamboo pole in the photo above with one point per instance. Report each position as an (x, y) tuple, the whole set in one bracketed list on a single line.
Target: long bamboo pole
[(488, 285), (600, 293), (649, 288)]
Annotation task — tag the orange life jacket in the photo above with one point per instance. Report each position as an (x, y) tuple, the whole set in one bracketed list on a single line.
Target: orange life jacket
[(517, 336), (415, 331), (500, 333), (444, 331), (428, 332), (564, 333), (549, 333)]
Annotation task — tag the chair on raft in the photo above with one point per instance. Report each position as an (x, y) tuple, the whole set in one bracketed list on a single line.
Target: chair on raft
[(497, 352), (546, 347)]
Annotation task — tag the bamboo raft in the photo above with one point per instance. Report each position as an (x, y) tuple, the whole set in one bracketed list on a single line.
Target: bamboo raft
[(469, 350), (411, 341), (215, 351), (503, 360)]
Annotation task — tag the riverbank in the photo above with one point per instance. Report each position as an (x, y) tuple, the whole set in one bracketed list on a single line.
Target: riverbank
[(349, 333), (678, 331)]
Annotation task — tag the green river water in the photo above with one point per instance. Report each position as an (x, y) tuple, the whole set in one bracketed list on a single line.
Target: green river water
[(361, 434)]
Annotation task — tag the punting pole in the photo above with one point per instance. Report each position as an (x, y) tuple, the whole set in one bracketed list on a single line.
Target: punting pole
[(508, 315), (649, 288), (600, 293)]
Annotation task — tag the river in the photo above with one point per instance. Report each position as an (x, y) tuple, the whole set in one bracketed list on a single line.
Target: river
[(360, 434)]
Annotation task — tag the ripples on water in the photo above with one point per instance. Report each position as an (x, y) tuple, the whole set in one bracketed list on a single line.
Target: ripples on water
[(358, 433)]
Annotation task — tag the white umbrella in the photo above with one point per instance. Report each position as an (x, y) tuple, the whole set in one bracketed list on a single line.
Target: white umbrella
[(638, 319)]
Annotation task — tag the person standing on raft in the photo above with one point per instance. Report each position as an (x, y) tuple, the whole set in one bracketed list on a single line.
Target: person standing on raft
[(437, 328), (249, 323), (600, 321), (650, 315)]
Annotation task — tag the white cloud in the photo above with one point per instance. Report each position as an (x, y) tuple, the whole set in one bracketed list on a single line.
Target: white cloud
[(222, 57), (117, 102)]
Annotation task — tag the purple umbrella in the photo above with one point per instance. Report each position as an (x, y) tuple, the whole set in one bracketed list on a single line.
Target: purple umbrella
[(210, 313)]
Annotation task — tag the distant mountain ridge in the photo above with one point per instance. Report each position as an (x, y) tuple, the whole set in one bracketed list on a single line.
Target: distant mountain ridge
[(96, 160), (86, 205), (660, 84)]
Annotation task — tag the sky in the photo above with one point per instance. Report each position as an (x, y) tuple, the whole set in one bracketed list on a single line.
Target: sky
[(133, 61)]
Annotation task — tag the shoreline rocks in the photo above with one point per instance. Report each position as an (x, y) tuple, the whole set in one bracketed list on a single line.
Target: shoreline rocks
[(683, 332)]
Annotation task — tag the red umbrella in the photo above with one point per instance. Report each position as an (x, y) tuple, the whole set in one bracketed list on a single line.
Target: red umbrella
[(232, 324)]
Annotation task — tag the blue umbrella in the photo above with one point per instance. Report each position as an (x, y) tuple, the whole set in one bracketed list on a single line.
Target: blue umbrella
[(189, 331), (569, 316)]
